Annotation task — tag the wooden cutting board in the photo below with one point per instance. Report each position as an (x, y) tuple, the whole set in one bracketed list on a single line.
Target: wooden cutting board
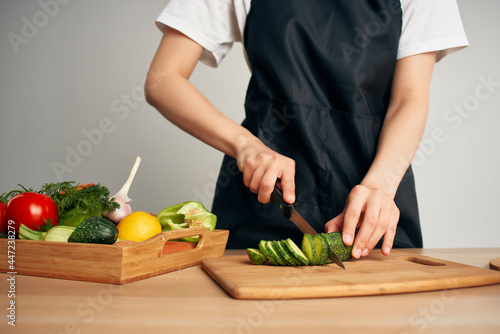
[(376, 274)]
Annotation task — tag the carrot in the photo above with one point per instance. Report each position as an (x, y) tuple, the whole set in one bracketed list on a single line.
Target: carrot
[(80, 187), (177, 246), (85, 185)]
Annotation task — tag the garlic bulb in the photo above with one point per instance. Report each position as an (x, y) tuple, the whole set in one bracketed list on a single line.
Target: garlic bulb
[(122, 198)]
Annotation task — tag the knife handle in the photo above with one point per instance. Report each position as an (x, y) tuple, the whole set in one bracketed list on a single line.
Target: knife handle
[(277, 198)]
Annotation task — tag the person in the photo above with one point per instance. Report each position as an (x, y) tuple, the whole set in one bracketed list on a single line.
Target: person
[(335, 109)]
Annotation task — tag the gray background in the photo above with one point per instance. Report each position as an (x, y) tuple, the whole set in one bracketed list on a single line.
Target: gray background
[(84, 67)]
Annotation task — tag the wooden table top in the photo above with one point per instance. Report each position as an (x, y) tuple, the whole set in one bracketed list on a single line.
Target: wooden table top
[(189, 301)]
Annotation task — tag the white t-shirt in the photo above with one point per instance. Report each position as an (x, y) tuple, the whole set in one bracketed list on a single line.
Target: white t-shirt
[(428, 25)]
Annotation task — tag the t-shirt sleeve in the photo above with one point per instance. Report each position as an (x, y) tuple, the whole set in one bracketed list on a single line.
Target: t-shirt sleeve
[(431, 25), (212, 24)]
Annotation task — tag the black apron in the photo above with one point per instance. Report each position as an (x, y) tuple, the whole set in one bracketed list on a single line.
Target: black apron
[(322, 73)]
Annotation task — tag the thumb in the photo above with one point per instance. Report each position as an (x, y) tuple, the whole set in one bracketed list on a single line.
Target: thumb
[(336, 224)]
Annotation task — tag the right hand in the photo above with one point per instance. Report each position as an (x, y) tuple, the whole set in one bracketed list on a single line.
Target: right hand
[(263, 167)]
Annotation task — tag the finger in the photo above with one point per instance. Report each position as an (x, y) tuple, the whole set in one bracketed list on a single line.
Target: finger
[(384, 222), (248, 168), (266, 186), (352, 214), (287, 180), (369, 224), (256, 179), (335, 224), (391, 232)]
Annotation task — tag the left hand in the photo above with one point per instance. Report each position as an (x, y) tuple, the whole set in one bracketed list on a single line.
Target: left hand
[(375, 212)]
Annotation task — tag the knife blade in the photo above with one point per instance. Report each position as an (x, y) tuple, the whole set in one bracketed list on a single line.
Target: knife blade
[(289, 212)]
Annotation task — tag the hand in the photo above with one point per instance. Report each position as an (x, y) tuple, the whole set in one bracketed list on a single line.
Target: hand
[(375, 212), (263, 167)]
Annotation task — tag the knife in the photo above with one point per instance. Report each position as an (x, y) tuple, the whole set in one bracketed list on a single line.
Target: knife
[(289, 212)]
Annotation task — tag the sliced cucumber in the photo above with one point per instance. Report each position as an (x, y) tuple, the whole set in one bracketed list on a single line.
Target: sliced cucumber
[(263, 249), (283, 253), (277, 250), (256, 256), (274, 254), (321, 249), (309, 249), (325, 237), (314, 250), (296, 251), (295, 260)]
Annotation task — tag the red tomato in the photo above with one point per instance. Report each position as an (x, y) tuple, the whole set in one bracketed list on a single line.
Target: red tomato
[(32, 210), (3, 224)]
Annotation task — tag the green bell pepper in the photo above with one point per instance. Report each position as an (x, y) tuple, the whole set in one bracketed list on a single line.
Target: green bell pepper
[(186, 215), (74, 217)]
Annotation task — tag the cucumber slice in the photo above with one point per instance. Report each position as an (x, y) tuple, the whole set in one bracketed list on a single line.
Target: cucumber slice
[(295, 251), (293, 258), (281, 252), (274, 254), (277, 250), (256, 256), (325, 237), (309, 249), (321, 249), (263, 249)]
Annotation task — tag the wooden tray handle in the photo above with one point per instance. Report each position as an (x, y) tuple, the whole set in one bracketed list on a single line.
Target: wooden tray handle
[(155, 243), (495, 264), (163, 237)]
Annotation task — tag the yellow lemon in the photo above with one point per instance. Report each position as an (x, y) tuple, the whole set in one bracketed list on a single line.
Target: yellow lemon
[(138, 226)]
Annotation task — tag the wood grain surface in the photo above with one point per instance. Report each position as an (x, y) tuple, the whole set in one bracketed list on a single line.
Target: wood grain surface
[(188, 301), (400, 272)]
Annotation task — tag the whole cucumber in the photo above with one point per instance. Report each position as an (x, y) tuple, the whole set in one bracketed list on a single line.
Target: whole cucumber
[(95, 230)]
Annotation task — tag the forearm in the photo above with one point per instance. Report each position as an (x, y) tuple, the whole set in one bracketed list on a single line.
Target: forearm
[(404, 123), (168, 89), (183, 105), (399, 140)]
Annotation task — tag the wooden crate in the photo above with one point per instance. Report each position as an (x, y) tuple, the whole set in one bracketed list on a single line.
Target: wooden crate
[(108, 263)]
